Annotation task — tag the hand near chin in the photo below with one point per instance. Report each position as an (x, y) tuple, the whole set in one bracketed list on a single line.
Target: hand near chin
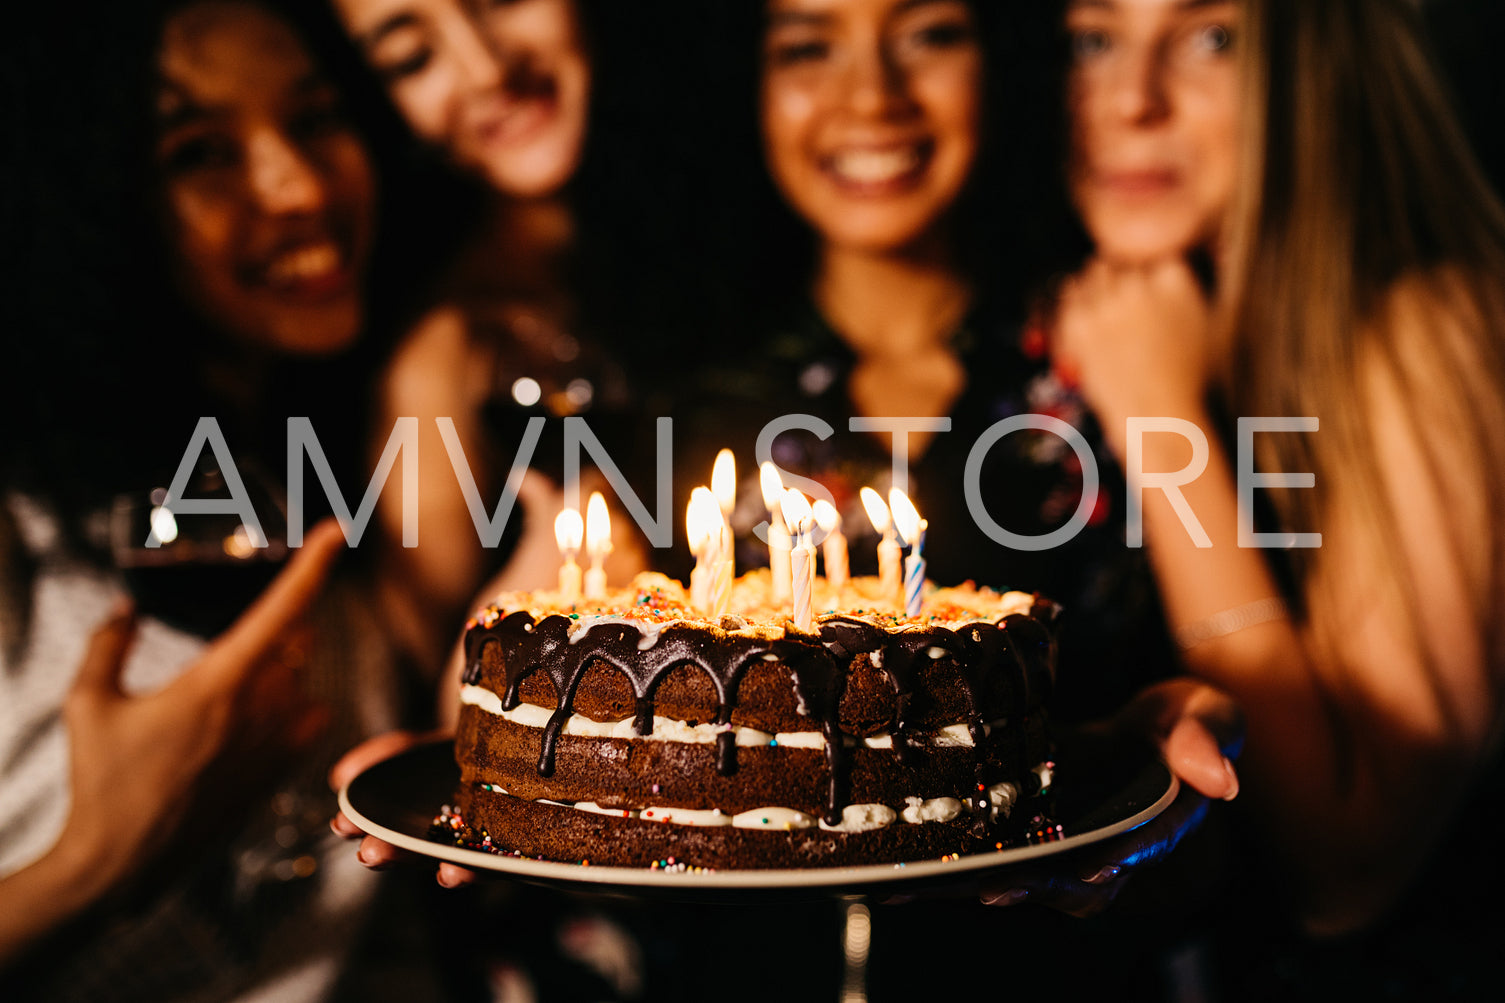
[(1197, 731), (1134, 339)]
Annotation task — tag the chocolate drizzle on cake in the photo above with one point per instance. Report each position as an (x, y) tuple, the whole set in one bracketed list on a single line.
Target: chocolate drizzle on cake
[(1020, 647)]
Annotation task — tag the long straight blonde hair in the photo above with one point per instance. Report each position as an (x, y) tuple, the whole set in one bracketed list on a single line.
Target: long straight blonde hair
[(1357, 182)]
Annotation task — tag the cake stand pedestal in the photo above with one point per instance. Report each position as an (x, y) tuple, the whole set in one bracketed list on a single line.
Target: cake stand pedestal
[(856, 944)]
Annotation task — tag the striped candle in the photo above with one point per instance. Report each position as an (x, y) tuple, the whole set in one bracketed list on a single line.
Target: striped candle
[(912, 528), (721, 572), (914, 576)]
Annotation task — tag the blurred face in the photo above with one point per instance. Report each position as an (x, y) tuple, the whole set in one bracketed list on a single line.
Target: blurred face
[(1154, 105), (870, 114), (503, 86), (267, 190)]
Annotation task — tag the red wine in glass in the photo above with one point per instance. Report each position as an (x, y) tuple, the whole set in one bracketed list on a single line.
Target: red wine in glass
[(208, 568)]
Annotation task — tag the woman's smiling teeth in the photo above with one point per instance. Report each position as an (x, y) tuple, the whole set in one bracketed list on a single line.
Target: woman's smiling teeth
[(304, 264), (876, 166)]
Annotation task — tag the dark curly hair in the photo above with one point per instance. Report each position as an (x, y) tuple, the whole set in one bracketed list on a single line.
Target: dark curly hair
[(104, 380)]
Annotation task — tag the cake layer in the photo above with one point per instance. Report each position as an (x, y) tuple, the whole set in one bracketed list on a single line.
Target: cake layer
[(558, 832), (635, 773)]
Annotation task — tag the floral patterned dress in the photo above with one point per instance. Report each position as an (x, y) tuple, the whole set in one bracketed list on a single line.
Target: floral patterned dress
[(1028, 482)]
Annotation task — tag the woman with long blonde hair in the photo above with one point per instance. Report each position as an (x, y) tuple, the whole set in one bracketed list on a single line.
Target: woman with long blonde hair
[(1288, 223)]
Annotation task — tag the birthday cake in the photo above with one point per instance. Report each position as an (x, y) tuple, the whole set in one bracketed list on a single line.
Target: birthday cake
[(636, 730)]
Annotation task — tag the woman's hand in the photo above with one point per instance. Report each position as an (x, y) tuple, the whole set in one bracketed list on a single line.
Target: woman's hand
[(143, 766), (1135, 340), (375, 853), (1197, 730), (176, 764)]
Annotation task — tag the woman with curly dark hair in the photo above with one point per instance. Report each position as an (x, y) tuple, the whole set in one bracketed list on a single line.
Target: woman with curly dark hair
[(198, 236)]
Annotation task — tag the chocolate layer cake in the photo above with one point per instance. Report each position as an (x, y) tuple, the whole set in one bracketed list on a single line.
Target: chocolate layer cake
[(634, 731)]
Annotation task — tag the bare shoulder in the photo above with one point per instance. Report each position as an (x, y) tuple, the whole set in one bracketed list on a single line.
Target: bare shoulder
[(433, 364), (1436, 360), (1443, 309), (441, 336)]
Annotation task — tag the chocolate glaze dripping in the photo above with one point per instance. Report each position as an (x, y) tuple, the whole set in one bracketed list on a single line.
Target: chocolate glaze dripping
[(820, 681), (528, 646), (1023, 643)]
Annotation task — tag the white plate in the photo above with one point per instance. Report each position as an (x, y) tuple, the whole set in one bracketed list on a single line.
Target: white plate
[(396, 801)]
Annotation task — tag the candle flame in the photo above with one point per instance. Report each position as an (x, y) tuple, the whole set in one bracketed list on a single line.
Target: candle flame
[(826, 515), (906, 517), (724, 481), (702, 519), (773, 486), (796, 507), (569, 531), (877, 511), (597, 525)]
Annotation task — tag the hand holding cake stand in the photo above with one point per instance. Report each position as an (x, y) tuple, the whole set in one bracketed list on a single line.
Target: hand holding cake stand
[(392, 803)]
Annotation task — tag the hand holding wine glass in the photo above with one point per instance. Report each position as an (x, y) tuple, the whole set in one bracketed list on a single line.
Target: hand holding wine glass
[(151, 771)]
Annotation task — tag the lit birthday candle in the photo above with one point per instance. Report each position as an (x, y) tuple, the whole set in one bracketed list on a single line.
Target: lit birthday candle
[(835, 545), (798, 518), (889, 554), (569, 533), (703, 523), (597, 544), (724, 487), (912, 528), (778, 531)]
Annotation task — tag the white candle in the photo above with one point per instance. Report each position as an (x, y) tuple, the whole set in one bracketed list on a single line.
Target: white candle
[(912, 528), (778, 532), (797, 516), (835, 544), (597, 544), (724, 487), (889, 554), (569, 533), (702, 523)]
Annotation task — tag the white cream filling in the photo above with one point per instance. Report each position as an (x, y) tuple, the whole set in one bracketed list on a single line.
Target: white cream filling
[(664, 729), (919, 810), (758, 818), (773, 818), (671, 730), (1001, 798), (854, 817), (862, 818)]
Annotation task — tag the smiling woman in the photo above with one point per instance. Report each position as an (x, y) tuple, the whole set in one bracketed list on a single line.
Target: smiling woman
[(507, 97), (1289, 221), (522, 325), (201, 244), (269, 193), (871, 116), (1155, 124), (220, 203)]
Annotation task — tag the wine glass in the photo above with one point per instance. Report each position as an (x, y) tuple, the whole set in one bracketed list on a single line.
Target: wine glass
[(208, 567)]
